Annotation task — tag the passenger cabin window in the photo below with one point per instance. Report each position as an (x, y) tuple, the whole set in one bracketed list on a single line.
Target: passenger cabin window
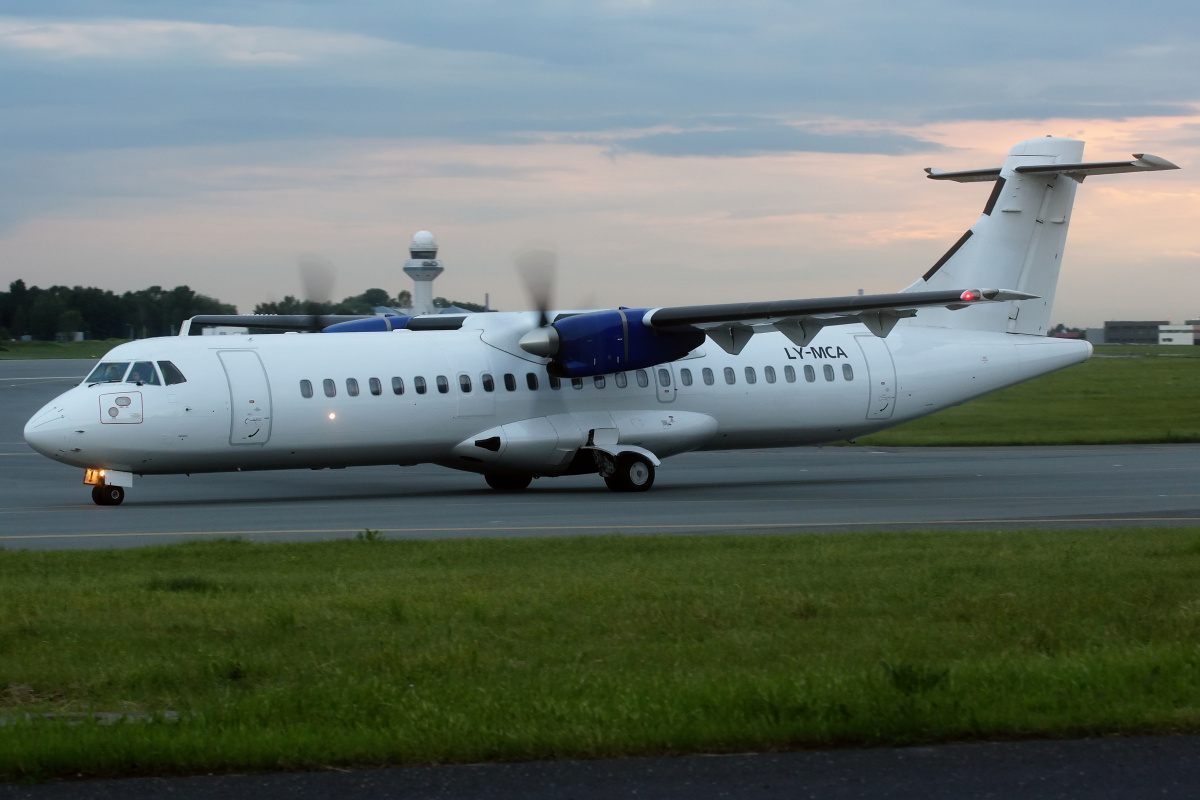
[(306, 388), (172, 375), (576, 383), (730, 376), (810, 374), (464, 383), (828, 372), (443, 384), (375, 386), (419, 384), (707, 374), (397, 385), (352, 387), (621, 380), (143, 372), (750, 376), (847, 372), (555, 383), (789, 373), (769, 374), (510, 382), (531, 381), (664, 377), (330, 387), (489, 385), (598, 381), (642, 378), (108, 372), (685, 376)]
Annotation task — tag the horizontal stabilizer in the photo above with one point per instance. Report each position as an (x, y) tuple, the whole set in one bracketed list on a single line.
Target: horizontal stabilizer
[(1143, 162)]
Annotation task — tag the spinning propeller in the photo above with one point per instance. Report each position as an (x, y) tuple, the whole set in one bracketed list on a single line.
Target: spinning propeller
[(316, 280), (537, 269)]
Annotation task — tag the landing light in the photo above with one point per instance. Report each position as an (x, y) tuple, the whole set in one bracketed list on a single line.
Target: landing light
[(332, 415)]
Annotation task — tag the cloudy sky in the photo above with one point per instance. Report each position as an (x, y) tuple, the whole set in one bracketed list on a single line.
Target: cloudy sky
[(671, 152)]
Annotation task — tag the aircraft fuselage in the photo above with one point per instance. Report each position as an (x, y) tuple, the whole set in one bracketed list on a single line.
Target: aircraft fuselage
[(243, 405)]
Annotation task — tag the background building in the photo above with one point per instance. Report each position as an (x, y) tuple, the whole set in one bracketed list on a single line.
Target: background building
[(1130, 332)]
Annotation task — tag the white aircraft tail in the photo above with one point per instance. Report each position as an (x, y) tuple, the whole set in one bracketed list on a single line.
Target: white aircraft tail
[(1018, 242)]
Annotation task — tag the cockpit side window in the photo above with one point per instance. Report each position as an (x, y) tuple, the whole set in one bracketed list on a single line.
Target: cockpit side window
[(143, 372), (108, 372), (171, 374)]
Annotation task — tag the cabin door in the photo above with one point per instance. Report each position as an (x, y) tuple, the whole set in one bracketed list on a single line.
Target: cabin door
[(249, 397), (881, 371)]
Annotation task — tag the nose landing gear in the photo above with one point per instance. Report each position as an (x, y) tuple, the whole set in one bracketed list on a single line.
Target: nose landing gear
[(105, 495)]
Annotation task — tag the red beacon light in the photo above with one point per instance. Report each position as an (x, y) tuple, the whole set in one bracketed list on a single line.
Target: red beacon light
[(971, 294)]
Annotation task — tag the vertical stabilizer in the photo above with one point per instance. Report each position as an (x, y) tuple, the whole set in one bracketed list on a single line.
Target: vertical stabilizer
[(1018, 241)]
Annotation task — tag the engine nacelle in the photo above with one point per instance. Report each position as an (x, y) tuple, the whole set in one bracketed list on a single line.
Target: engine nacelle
[(385, 323), (609, 341)]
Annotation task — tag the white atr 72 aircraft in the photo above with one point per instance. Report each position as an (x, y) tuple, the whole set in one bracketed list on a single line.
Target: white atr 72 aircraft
[(515, 396)]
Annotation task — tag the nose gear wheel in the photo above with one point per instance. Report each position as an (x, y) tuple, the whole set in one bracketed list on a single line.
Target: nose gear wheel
[(104, 495)]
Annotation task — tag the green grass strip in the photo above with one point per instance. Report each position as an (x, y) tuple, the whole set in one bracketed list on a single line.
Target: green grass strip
[(86, 349), (290, 656), (1123, 395)]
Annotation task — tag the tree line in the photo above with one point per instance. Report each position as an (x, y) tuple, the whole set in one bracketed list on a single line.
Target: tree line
[(102, 314), (364, 303)]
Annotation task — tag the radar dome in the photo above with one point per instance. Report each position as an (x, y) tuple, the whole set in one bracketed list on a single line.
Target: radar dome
[(423, 240)]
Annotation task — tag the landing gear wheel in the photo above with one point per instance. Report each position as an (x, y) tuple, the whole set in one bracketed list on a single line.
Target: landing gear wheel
[(634, 474), (508, 483), (103, 495)]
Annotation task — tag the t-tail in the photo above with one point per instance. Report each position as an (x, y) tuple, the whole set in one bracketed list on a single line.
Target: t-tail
[(1017, 243)]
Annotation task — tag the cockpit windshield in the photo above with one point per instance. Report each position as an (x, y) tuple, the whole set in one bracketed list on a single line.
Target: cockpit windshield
[(108, 372), (171, 373), (143, 373)]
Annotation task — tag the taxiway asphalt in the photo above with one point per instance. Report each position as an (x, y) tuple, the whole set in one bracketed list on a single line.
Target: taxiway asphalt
[(1089, 769), (44, 504)]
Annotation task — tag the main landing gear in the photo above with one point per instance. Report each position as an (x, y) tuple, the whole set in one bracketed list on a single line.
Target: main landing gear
[(630, 472), (105, 495), (508, 483), (625, 472)]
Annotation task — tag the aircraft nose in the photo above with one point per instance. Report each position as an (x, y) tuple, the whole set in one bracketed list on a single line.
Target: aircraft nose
[(44, 430)]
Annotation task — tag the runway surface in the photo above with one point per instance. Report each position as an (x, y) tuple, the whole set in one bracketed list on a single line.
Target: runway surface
[(44, 504), (1096, 769)]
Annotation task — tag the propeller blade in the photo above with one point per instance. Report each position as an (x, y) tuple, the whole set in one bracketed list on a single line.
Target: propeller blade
[(316, 279), (537, 269)]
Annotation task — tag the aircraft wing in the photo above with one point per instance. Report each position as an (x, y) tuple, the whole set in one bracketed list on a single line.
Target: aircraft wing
[(275, 322), (731, 325), (327, 323)]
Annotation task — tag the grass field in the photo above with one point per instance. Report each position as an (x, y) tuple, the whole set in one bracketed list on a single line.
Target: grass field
[(378, 652), (1122, 395), (90, 349)]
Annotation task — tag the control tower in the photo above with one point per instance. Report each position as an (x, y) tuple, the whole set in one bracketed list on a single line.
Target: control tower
[(423, 266)]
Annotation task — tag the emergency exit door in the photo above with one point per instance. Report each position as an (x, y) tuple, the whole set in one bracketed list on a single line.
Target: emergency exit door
[(249, 397)]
